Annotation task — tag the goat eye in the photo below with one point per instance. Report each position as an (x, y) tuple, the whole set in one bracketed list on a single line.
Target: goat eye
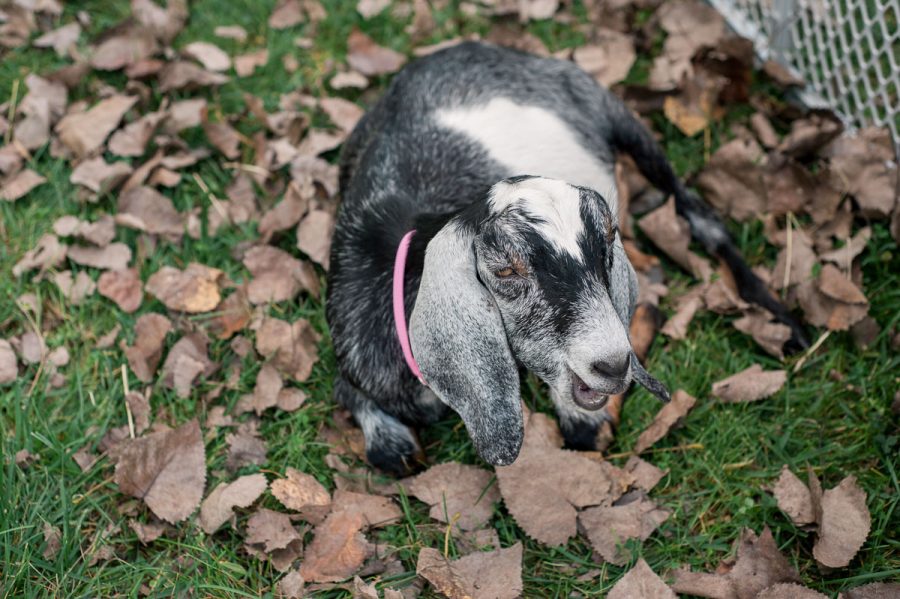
[(504, 273)]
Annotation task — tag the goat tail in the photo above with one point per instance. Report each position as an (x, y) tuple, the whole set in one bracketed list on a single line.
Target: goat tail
[(631, 137)]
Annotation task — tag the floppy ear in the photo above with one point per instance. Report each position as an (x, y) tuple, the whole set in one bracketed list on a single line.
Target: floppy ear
[(458, 340), (623, 283)]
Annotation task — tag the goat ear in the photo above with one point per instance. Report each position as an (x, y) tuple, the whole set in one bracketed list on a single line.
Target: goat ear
[(458, 340), (623, 283)]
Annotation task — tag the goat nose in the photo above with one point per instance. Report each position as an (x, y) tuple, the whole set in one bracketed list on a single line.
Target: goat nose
[(612, 369)]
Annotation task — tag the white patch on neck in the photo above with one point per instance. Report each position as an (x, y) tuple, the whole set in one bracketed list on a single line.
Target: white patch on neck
[(530, 140), (555, 204)]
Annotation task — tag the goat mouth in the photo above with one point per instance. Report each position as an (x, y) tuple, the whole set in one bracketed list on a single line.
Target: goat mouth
[(585, 396)]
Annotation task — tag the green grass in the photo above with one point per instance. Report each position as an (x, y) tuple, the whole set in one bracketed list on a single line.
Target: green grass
[(839, 428)]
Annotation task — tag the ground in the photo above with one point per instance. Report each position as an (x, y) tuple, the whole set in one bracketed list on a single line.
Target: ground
[(719, 463)]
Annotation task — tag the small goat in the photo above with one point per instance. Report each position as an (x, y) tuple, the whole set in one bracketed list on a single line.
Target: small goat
[(495, 169)]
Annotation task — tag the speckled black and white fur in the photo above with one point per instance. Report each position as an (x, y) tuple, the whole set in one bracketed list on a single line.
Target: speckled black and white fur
[(503, 164)]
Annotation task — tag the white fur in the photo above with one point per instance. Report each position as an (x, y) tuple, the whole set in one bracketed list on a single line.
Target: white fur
[(530, 140)]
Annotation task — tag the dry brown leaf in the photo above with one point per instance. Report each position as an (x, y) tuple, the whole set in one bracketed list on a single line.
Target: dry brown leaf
[(439, 571), (139, 405), (132, 46), (218, 507), (291, 586), (186, 361), (147, 532), (686, 306), (278, 276), (492, 575), (181, 74), (668, 417), (184, 114), (844, 256), (52, 541), (114, 256), (376, 511), (844, 524), (834, 284), (224, 138), (351, 79), (9, 370), (319, 141), (246, 64), (100, 177), (370, 59), (609, 58), (750, 384), (369, 8), (458, 493), (343, 113), (212, 57), (145, 209), (75, 289), (193, 290), (60, 39), (232, 32), (609, 527), (545, 485), (231, 315), (338, 549), (150, 331), (864, 165), (314, 236), (770, 335), (288, 13), (272, 530), (733, 180), (293, 348), (32, 348), (265, 392), (801, 264), (48, 253), (671, 234), (759, 565), (690, 25), (692, 109), (299, 491), (132, 139), (245, 448), (823, 311), (20, 184), (809, 135), (646, 475), (285, 214), (166, 469), (793, 498), (124, 287), (641, 583), (85, 132)]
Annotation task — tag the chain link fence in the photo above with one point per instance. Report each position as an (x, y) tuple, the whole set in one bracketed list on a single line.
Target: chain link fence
[(847, 51)]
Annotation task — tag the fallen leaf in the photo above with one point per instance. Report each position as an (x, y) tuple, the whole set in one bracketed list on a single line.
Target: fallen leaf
[(32, 348), (369, 8), (809, 135), (184, 114), (293, 348), (277, 276), (300, 491), (20, 184), (132, 139), (212, 57), (48, 253), (692, 109), (690, 25), (193, 290), (233, 32), (100, 177), (608, 527), (343, 113), (124, 287), (439, 571), (9, 370), (351, 79), (60, 39), (537, 9), (875, 590), (864, 165), (139, 406), (844, 524), (793, 498), (186, 361), (834, 284), (85, 132), (733, 180), (145, 209), (667, 417), (759, 565), (370, 59), (246, 64), (314, 236), (319, 141), (245, 448), (224, 138), (114, 256), (646, 475), (686, 306), (641, 583), (147, 532), (545, 485), (609, 58), (166, 469), (493, 574), (844, 256), (457, 493), (337, 550), (770, 335), (150, 331), (181, 74), (750, 384), (286, 13), (117, 52), (672, 234), (291, 586), (76, 289), (823, 311), (52, 541), (165, 23), (272, 530), (797, 264), (218, 507)]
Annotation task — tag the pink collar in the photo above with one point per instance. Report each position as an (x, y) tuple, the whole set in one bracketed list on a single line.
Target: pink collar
[(399, 306)]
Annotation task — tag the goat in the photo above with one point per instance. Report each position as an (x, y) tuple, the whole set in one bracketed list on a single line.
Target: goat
[(495, 169)]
